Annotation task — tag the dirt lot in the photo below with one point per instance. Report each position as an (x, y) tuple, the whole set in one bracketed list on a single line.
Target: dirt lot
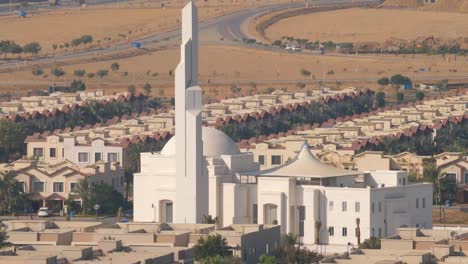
[(235, 64), (371, 25), (107, 24), (451, 217)]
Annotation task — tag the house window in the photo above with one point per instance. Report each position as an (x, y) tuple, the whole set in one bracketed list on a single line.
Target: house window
[(38, 152), (404, 181), (451, 176), (97, 156), (357, 207), (73, 186), (417, 202), (255, 214), (372, 232), (82, 157), (380, 207), (53, 152), (345, 231), (58, 186), (330, 205), (38, 186), (261, 159), (373, 208), (466, 177), (423, 202), (331, 231), (112, 157), (302, 216), (380, 232), (344, 206), (275, 160)]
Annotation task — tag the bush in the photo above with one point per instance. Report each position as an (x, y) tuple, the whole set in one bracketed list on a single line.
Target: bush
[(33, 48), (380, 99), (383, 81), (400, 97), (37, 71), (79, 73), (399, 79), (276, 43), (90, 75), (419, 95), (212, 246), (131, 89), (371, 243), (58, 72), (77, 85), (85, 39), (115, 66)]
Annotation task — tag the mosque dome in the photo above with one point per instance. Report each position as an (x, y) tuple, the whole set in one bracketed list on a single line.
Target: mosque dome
[(215, 144)]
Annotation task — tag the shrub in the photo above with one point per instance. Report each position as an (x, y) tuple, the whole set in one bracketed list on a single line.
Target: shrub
[(37, 71)]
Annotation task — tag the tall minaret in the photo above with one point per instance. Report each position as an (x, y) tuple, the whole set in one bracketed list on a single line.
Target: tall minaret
[(191, 201)]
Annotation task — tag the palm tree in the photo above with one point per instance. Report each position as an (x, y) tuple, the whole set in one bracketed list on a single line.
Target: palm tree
[(84, 191), (10, 193), (288, 240), (4, 238)]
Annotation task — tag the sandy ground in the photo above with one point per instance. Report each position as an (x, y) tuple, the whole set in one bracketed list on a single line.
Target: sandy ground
[(107, 24), (233, 64), (451, 216), (371, 25)]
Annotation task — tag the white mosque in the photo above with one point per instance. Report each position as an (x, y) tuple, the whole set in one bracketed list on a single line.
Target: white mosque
[(201, 171)]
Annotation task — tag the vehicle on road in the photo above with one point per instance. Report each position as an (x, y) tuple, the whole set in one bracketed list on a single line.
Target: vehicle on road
[(44, 212)]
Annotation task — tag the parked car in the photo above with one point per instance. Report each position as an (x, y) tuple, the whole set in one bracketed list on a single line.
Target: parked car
[(44, 212)]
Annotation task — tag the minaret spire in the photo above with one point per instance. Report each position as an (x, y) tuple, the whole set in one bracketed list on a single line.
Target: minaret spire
[(191, 201)]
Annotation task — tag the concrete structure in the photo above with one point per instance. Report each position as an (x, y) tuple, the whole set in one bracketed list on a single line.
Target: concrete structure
[(191, 182), (304, 196), (413, 246), (88, 242), (52, 184)]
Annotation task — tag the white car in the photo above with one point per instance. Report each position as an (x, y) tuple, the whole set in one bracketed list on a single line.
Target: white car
[(44, 212)]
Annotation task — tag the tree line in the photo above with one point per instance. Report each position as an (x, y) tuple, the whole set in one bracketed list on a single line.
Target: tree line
[(11, 47)]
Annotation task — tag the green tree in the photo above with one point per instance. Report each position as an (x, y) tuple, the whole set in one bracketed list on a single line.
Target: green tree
[(4, 238), (147, 88), (213, 245), (400, 97), (77, 85), (33, 48), (380, 99), (57, 72), (79, 73), (442, 85), (208, 219), (10, 193), (289, 253), (384, 81), (9, 47), (265, 259), (371, 243), (101, 74), (131, 89), (12, 137), (220, 260), (83, 190), (107, 197), (115, 67), (399, 79), (419, 95)]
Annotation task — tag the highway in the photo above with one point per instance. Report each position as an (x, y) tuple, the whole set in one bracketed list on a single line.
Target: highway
[(229, 28)]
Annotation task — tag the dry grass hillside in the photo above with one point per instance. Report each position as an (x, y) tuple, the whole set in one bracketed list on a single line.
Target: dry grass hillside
[(441, 5), (371, 25), (402, 3), (449, 6)]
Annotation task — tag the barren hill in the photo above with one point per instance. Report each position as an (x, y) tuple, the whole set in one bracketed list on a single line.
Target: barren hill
[(440, 5)]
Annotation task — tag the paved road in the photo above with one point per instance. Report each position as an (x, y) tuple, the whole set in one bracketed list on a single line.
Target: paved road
[(6, 9), (227, 27)]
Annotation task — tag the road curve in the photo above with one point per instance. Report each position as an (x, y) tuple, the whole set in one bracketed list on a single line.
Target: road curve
[(227, 27)]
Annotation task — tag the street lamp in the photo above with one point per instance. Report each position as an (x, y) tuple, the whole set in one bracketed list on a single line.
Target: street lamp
[(96, 208)]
